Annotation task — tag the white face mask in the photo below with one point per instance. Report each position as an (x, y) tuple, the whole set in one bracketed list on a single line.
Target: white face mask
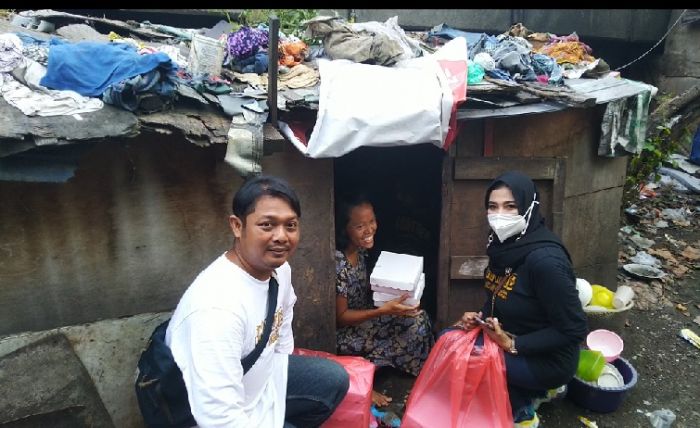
[(507, 225)]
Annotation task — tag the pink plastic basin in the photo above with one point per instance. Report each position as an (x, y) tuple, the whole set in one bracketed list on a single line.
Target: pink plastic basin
[(607, 342)]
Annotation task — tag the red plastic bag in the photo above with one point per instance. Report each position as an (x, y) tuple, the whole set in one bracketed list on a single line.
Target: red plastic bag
[(355, 409), (452, 59), (460, 385)]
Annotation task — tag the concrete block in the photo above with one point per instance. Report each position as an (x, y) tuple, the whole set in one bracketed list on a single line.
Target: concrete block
[(46, 381)]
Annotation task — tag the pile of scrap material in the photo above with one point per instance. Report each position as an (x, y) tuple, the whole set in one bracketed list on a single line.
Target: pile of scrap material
[(58, 69), (61, 74)]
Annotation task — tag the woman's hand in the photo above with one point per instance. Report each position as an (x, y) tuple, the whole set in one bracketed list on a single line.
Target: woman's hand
[(497, 334), (396, 307), (468, 321)]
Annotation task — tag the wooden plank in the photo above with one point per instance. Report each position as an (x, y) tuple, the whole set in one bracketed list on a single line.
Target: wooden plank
[(488, 137), (591, 85), (558, 187), (544, 107), (313, 264), (482, 87), (468, 267), (470, 140), (443, 265), (109, 121), (273, 65), (200, 126), (493, 102), (101, 253), (592, 223), (561, 94), (57, 17), (607, 89), (465, 295), (527, 98), (489, 168)]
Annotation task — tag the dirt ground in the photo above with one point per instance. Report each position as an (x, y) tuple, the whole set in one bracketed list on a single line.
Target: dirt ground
[(668, 367)]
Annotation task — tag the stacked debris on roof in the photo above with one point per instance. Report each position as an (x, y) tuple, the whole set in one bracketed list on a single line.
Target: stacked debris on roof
[(62, 73)]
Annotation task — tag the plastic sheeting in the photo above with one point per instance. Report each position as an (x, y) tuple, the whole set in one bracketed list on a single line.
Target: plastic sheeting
[(460, 385), (370, 105)]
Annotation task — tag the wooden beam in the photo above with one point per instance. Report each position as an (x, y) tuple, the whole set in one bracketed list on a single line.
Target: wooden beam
[(443, 268), (561, 94), (488, 137), (478, 168), (272, 68), (558, 188)]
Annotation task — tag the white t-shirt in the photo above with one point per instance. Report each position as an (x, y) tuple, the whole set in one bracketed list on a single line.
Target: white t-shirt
[(216, 323)]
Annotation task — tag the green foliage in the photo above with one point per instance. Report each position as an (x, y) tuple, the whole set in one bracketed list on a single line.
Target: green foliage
[(655, 151), (290, 19), (234, 25)]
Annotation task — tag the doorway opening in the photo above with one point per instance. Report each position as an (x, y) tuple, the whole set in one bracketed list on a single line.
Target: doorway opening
[(404, 186)]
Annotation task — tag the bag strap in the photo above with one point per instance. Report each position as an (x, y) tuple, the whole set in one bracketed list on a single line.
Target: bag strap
[(251, 358)]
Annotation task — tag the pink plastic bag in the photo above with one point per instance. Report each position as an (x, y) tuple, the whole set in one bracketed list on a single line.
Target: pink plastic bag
[(354, 411), (460, 386)]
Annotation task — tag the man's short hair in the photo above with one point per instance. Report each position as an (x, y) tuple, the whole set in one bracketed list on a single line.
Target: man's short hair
[(263, 185)]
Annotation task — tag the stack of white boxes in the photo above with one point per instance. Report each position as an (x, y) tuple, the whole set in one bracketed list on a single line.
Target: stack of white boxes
[(395, 275)]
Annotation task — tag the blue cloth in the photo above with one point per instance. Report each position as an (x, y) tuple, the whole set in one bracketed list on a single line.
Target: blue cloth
[(695, 148), (444, 31), (129, 94), (497, 73), (543, 64), (251, 64), (485, 43), (28, 39), (315, 387), (88, 68)]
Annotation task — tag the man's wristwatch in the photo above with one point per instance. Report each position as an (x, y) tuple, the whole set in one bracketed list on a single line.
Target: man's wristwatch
[(512, 349)]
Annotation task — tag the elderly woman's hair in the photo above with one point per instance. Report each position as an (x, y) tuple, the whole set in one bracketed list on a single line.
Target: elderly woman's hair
[(345, 204)]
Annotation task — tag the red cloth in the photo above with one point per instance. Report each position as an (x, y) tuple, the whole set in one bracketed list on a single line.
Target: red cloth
[(355, 409)]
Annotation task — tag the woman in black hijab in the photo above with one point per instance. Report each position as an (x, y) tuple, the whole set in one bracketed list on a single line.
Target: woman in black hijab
[(532, 310)]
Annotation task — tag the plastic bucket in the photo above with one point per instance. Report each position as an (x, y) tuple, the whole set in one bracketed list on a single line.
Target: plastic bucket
[(590, 365), (603, 399)]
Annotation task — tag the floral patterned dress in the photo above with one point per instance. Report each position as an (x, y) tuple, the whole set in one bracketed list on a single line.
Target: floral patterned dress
[(401, 342)]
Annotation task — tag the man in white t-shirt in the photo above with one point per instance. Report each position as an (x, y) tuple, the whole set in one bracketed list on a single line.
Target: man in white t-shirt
[(221, 316)]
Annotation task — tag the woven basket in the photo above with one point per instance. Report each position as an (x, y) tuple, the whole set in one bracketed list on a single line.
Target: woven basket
[(609, 319)]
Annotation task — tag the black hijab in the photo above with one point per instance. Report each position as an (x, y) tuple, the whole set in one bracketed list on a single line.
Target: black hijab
[(513, 251)]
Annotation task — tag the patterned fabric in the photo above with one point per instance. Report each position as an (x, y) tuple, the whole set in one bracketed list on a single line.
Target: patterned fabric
[(10, 52), (401, 342), (38, 53), (246, 41)]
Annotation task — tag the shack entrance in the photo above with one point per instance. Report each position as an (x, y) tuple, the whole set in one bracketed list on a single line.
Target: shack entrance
[(404, 185)]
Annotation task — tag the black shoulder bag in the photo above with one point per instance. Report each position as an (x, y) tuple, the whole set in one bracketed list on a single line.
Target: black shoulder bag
[(160, 388)]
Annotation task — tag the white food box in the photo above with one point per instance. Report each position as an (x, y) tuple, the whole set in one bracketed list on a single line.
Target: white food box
[(382, 297), (398, 271)]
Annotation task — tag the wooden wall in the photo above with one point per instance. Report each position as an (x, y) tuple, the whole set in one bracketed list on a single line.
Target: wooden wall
[(581, 195), (130, 231)]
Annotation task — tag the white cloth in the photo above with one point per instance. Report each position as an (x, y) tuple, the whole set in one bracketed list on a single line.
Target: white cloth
[(36, 100), (391, 29), (10, 52), (217, 322)]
